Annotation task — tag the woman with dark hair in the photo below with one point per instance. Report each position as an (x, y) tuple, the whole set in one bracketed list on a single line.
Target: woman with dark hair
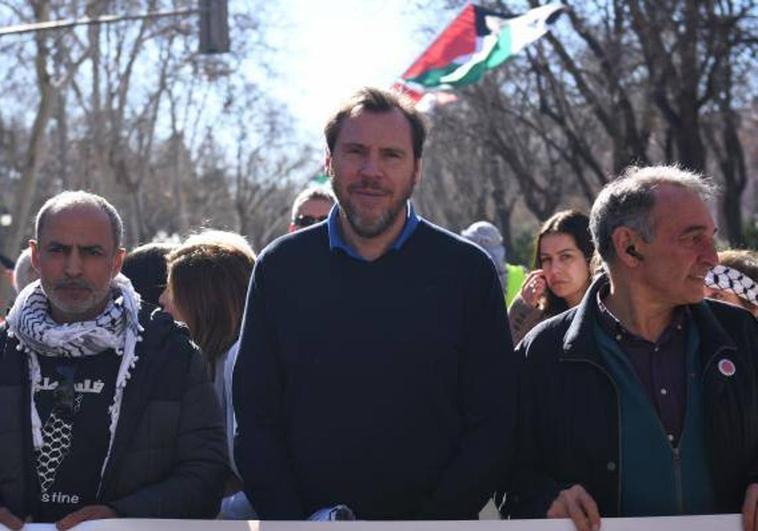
[(560, 272), (207, 287)]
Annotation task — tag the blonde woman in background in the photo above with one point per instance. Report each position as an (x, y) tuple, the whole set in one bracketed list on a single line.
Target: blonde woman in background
[(206, 289)]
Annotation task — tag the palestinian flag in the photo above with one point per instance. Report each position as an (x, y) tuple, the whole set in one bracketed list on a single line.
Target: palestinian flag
[(478, 40)]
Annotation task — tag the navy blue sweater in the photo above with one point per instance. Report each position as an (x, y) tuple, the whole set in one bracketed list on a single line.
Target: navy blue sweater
[(388, 385)]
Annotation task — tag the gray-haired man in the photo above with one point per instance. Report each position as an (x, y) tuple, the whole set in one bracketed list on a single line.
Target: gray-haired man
[(642, 400), (311, 206), (108, 407)]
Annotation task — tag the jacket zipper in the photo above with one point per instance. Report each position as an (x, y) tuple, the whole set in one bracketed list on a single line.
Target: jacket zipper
[(676, 461), (678, 480), (676, 452), (618, 419), (676, 455)]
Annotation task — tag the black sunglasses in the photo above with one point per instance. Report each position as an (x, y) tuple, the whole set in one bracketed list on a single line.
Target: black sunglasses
[(307, 221)]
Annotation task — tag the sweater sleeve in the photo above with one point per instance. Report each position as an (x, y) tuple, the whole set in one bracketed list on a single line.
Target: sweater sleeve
[(487, 380), (258, 388), (523, 318)]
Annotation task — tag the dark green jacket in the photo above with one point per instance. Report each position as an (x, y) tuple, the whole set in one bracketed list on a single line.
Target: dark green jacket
[(569, 407)]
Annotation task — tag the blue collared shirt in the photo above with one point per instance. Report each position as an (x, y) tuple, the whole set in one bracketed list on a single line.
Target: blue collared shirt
[(336, 241)]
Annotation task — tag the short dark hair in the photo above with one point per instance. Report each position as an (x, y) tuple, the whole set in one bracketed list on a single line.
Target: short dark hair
[(146, 267), (379, 101), (576, 225), (72, 198)]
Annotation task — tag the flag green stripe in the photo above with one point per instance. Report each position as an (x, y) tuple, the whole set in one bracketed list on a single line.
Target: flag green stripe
[(502, 50), (431, 78), (435, 77)]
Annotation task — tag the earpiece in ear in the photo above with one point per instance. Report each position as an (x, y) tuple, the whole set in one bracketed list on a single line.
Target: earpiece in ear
[(632, 251)]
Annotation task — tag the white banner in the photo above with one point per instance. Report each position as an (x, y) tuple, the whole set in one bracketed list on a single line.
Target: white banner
[(728, 522)]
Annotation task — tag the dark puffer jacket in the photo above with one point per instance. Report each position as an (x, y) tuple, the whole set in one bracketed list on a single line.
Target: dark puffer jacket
[(569, 420), (169, 456)]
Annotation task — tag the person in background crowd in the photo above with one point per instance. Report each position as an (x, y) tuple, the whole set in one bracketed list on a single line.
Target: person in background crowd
[(375, 377), (6, 268), (560, 272), (488, 237), (311, 206), (516, 278), (735, 279), (145, 266), (24, 272), (123, 421), (642, 400), (207, 281)]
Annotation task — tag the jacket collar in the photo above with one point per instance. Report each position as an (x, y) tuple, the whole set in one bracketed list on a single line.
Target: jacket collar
[(579, 340)]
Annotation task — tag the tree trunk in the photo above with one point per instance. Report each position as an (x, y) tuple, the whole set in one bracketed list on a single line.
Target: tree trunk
[(28, 182)]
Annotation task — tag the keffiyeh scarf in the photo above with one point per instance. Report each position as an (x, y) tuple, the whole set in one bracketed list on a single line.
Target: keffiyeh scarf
[(729, 279), (117, 328)]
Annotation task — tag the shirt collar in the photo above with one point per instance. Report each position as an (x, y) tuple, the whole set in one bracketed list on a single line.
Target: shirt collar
[(615, 328), (336, 241)]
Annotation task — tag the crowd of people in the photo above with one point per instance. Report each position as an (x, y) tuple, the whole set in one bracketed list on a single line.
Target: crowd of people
[(371, 365)]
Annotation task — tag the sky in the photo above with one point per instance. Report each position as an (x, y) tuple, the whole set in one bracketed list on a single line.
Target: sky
[(329, 48)]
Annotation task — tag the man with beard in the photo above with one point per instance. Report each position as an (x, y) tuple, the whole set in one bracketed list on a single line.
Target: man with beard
[(108, 408), (375, 372)]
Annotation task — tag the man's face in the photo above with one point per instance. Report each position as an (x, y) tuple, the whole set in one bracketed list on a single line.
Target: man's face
[(373, 170), (310, 212), (682, 252), (76, 261)]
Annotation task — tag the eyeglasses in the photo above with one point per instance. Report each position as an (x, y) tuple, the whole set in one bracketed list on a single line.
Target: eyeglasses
[(306, 221)]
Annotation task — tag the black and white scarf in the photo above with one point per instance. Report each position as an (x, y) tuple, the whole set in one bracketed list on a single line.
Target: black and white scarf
[(729, 279), (117, 328)]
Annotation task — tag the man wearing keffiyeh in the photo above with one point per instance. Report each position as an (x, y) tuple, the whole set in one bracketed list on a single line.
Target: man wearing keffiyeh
[(111, 413)]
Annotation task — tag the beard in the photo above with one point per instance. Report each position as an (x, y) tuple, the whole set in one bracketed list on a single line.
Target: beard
[(87, 305), (366, 224)]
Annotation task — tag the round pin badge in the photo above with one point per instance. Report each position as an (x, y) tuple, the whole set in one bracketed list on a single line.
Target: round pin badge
[(726, 367)]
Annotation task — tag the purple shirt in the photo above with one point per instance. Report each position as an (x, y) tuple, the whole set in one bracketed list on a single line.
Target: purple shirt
[(661, 366)]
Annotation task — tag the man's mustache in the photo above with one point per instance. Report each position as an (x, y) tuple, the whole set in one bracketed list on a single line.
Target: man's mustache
[(73, 284), (367, 185)]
